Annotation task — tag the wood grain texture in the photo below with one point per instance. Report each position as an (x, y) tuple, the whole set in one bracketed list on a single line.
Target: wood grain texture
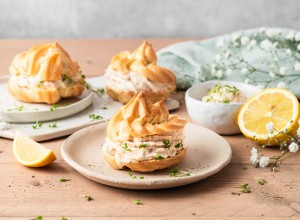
[(27, 192)]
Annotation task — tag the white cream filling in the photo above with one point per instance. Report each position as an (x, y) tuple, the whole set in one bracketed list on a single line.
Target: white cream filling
[(223, 96), (141, 149), (35, 81), (132, 82)]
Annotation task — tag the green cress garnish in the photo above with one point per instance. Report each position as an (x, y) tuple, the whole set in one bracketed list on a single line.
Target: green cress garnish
[(63, 180), (99, 92), (18, 108), (126, 147), (135, 177), (179, 145), (245, 188), (143, 145), (67, 79), (53, 125), (53, 107), (167, 143), (219, 89), (37, 125), (262, 181), (39, 84), (159, 157), (95, 117), (138, 202), (177, 173)]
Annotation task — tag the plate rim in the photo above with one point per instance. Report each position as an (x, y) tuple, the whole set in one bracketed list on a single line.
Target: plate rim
[(145, 185), (61, 111)]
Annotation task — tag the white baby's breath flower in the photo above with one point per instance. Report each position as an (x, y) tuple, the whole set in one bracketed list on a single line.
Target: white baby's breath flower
[(297, 36), (271, 32), (235, 37), (288, 51), (246, 81), (271, 74), (298, 47), (264, 161), (244, 71), (267, 45), (254, 159), (293, 147), (297, 66), (218, 57), (270, 127), (282, 70), (228, 72), (254, 151), (219, 73), (227, 54), (290, 35), (254, 156), (266, 137), (213, 72), (253, 43), (281, 85), (245, 40), (220, 43)]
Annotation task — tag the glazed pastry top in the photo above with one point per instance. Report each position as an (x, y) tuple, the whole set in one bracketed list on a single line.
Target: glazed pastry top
[(48, 62), (142, 61), (140, 118)]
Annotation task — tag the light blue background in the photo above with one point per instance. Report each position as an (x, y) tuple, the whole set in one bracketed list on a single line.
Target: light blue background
[(141, 18)]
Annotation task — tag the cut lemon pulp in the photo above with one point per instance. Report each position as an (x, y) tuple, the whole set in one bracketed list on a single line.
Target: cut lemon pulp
[(275, 105), (30, 153)]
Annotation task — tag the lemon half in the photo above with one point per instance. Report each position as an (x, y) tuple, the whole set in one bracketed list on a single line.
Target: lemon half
[(276, 105)]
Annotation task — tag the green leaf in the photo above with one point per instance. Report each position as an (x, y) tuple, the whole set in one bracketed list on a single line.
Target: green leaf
[(126, 147), (262, 181), (159, 157), (37, 125), (138, 202), (53, 125), (167, 143), (63, 180), (95, 117)]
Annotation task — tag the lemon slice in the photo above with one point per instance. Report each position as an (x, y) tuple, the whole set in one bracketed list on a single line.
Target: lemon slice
[(30, 153), (275, 105)]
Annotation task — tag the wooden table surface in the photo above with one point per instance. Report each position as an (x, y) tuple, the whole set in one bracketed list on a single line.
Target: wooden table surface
[(28, 192)]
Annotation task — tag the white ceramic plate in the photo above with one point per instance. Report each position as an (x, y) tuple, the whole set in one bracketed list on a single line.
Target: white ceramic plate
[(207, 154), (103, 106), (12, 110)]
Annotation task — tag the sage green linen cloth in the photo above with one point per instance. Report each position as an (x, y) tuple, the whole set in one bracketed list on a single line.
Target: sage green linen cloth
[(266, 57)]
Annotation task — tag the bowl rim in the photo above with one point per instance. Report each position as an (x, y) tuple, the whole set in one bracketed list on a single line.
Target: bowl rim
[(188, 95)]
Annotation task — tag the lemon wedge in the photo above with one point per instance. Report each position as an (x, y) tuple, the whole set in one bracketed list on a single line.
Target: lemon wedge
[(275, 105), (30, 153)]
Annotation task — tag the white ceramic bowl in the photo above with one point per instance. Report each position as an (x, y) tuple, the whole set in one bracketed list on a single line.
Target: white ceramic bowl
[(218, 117)]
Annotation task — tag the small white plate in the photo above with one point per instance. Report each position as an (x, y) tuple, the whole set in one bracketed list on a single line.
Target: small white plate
[(207, 153), (14, 111)]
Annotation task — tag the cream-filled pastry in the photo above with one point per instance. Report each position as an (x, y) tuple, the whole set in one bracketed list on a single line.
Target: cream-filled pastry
[(45, 74), (130, 73), (144, 137)]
